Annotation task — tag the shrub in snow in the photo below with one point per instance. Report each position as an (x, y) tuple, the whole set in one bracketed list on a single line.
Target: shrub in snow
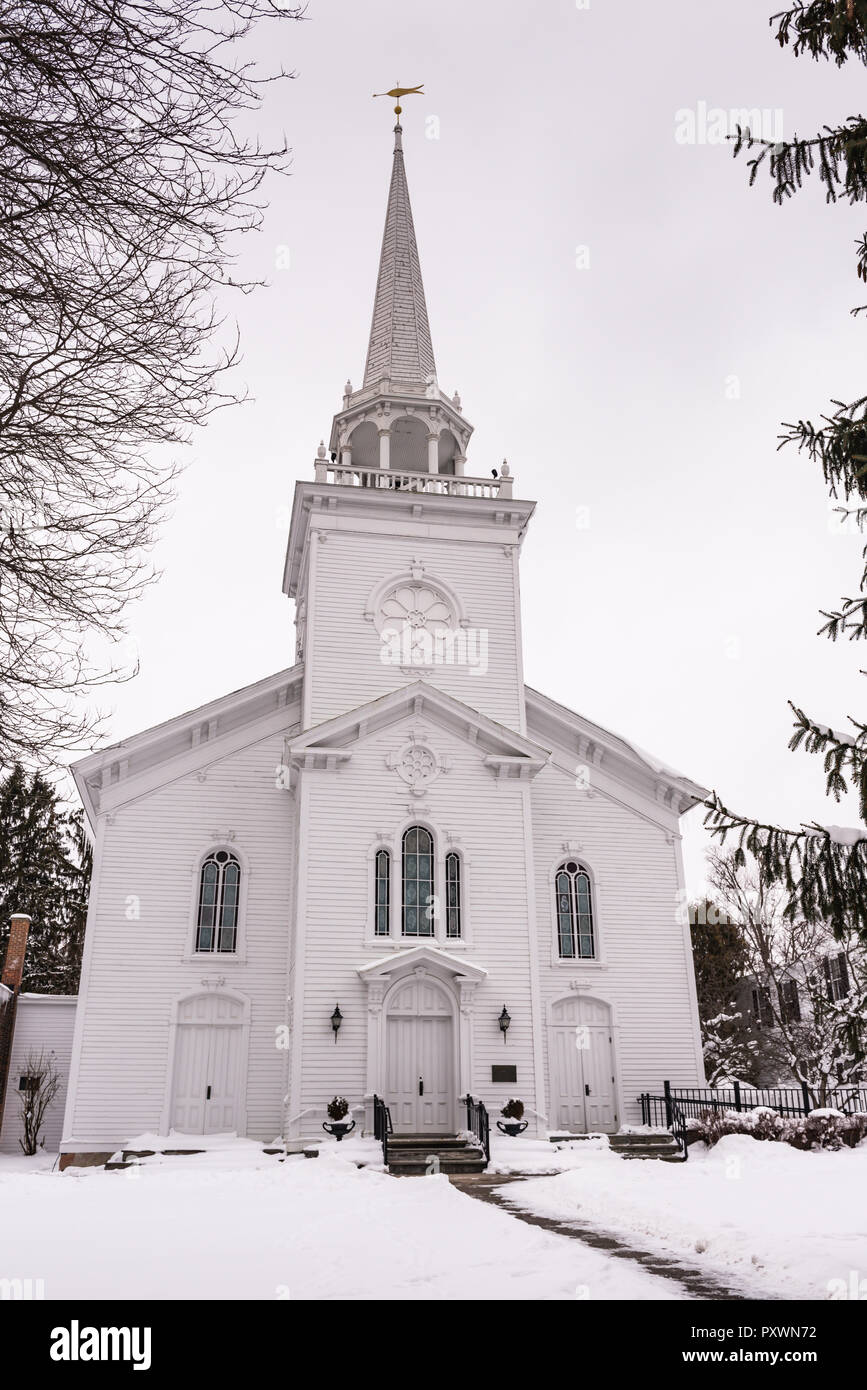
[(822, 1129), (513, 1110), (829, 1129), (338, 1109)]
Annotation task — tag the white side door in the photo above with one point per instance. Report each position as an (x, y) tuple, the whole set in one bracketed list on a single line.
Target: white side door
[(207, 1065), (581, 1067)]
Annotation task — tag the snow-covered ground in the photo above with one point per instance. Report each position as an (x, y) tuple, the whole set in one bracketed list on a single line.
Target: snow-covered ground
[(784, 1223), (235, 1223)]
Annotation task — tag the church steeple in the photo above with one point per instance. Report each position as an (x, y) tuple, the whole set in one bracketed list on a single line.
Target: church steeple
[(400, 347), (399, 421)]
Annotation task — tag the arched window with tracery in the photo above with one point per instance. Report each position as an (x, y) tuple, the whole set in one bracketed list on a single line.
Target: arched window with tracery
[(219, 896), (575, 934), (417, 906)]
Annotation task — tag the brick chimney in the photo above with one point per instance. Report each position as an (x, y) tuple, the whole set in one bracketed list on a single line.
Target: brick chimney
[(13, 970)]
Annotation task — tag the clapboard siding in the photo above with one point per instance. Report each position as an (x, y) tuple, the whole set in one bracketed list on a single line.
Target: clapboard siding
[(343, 666), (350, 806), (646, 966), (148, 865), (42, 1023)]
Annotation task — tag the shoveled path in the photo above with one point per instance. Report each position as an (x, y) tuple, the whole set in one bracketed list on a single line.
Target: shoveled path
[(695, 1282)]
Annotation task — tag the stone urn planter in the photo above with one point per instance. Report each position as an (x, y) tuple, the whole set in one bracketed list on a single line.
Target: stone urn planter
[(339, 1122), (512, 1127), (513, 1122), (338, 1128)]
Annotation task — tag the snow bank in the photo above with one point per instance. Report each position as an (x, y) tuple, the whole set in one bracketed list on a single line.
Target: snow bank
[(784, 1222), (236, 1224)]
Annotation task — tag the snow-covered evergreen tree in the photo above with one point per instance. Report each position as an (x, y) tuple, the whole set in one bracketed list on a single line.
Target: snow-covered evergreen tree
[(823, 868), (45, 864)]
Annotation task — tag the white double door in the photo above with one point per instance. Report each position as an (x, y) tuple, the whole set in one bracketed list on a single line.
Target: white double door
[(207, 1067), (419, 1036), (581, 1067)]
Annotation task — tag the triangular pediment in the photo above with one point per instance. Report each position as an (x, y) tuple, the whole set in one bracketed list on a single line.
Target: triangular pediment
[(506, 752), (420, 959)]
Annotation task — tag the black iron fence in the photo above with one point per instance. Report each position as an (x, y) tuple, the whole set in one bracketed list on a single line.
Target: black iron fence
[(479, 1125), (688, 1102), (381, 1125)]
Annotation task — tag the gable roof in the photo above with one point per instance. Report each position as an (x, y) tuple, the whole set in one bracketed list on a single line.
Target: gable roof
[(625, 761), (135, 765)]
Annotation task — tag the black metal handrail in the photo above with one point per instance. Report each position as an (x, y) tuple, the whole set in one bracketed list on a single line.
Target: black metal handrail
[(478, 1124), (381, 1125), (676, 1120)]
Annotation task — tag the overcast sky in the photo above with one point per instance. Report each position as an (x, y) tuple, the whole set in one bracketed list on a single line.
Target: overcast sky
[(627, 322)]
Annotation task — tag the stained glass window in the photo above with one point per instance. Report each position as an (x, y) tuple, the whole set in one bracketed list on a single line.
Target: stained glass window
[(219, 891), (575, 937), (453, 895), (381, 925), (418, 882)]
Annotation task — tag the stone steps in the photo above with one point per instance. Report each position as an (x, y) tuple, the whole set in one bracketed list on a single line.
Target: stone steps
[(663, 1147), (410, 1155)]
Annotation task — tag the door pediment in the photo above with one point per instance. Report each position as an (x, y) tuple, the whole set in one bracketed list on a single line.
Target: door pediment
[(421, 958)]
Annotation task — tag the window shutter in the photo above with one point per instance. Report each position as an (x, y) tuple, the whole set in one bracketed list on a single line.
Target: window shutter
[(844, 975)]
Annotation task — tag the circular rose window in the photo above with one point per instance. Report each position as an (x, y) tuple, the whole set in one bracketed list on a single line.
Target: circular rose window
[(416, 613)]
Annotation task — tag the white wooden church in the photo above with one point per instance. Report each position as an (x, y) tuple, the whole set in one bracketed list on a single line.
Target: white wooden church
[(391, 868)]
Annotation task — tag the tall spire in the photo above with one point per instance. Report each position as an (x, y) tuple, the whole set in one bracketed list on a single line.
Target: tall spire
[(400, 347)]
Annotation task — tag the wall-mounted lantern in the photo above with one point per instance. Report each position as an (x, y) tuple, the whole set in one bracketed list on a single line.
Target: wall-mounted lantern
[(336, 1020), (504, 1020)]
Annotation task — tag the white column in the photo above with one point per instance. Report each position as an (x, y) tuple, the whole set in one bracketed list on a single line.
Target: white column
[(384, 448), (433, 456)]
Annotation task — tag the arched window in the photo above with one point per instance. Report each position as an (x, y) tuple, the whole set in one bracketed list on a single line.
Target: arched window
[(574, 913), (453, 895), (219, 889), (382, 893), (418, 882)]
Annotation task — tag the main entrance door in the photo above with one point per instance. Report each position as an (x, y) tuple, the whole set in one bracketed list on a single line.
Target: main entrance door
[(207, 1068), (419, 1070), (581, 1066)]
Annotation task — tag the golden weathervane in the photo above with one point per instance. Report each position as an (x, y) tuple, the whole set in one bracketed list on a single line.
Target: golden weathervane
[(398, 92)]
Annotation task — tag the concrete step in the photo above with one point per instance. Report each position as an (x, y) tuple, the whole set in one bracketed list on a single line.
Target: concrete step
[(425, 1141), (409, 1155), (416, 1168), (625, 1141)]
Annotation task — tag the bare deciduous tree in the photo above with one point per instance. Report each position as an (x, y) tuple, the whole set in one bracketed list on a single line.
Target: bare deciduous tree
[(42, 1086), (123, 182), (819, 1034)]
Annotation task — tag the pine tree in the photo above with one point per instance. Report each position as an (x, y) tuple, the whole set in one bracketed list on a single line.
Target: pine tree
[(720, 960), (45, 865), (823, 869)]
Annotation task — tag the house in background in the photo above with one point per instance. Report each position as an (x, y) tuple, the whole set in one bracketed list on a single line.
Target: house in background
[(45, 1023), (392, 868), (30, 1025)]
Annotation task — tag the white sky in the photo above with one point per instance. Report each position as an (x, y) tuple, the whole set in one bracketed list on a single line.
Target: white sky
[(684, 615)]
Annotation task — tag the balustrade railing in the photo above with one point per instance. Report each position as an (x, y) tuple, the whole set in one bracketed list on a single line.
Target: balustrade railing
[(400, 480)]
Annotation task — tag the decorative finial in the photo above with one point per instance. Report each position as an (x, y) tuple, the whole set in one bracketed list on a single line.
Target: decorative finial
[(320, 452), (397, 92), (456, 400), (347, 389), (505, 470)]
